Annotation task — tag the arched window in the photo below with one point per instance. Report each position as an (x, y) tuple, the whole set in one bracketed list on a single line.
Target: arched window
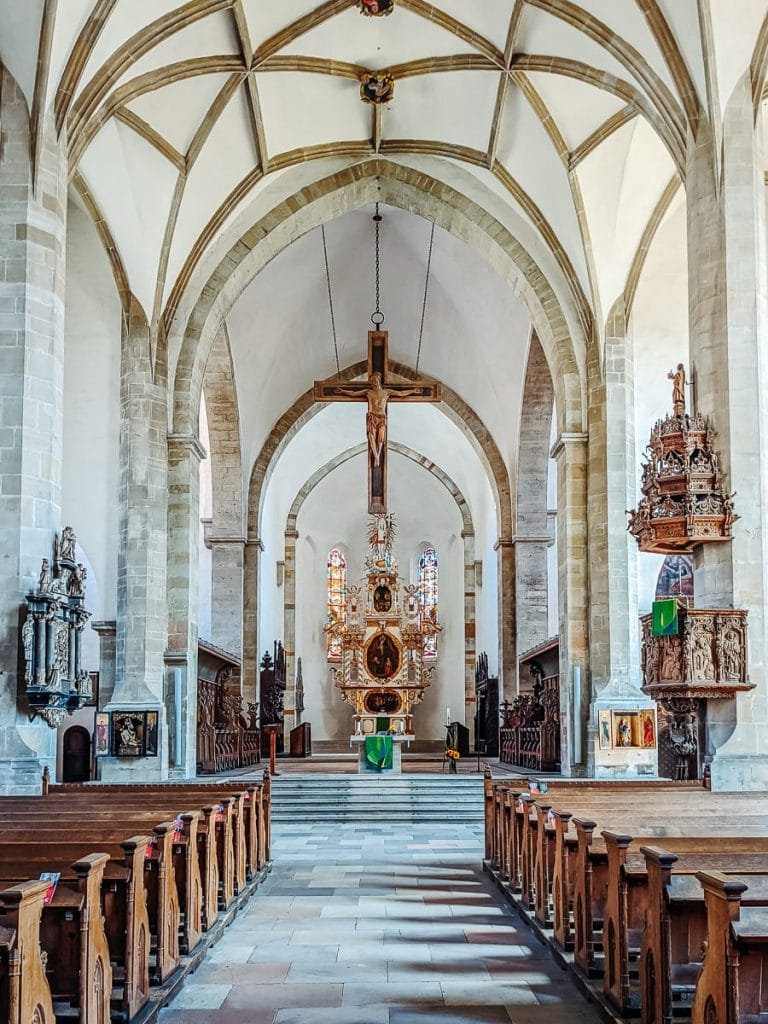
[(428, 595), (337, 596)]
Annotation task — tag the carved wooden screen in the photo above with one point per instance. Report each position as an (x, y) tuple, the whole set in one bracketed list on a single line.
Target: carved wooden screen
[(428, 595), (337, 596)]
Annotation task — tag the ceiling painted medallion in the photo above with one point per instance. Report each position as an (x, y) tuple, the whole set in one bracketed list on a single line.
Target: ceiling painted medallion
[(375, 8), (375, 88)]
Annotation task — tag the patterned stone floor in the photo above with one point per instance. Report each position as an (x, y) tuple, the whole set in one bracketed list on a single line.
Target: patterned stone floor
[(364, 925)]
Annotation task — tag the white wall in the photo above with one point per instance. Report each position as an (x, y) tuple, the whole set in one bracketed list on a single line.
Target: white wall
[(335, 513), (91, 472), (660, 340)]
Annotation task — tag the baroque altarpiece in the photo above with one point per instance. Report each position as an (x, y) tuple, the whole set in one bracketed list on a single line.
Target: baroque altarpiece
[(382, 671)]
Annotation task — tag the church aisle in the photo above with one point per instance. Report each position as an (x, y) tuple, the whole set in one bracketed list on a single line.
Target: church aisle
[(389, 925)]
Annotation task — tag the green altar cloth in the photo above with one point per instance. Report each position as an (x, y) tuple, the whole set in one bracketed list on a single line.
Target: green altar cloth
[(378, 752)]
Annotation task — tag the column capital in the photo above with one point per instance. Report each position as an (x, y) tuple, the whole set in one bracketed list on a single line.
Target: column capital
[(291, 534), (520, 538), (567, 439), (106, 628), (504, 542), (181, 443), (255, 542), (212, 540)]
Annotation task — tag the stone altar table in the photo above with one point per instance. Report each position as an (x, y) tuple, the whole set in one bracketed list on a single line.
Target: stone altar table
[(397, 754)]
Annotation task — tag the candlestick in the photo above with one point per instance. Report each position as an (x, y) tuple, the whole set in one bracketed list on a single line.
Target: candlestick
[(447, 716)]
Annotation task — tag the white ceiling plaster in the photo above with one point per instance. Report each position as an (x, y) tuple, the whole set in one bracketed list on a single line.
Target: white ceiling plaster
[(619, 207), (528, 153), (544, 34), (19, 34), (228, 155), (448, 107), (77, 14), (176, 110), (735, 25), (335, 112), (577, 108), (206, 37), (627, 20), (475, 336), (267, 19), (377, 42), (128, 17), (490, 18), (682, 16), (132, 183)]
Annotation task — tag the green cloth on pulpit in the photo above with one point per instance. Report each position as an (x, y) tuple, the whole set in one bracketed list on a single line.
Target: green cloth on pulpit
[(378, 752)]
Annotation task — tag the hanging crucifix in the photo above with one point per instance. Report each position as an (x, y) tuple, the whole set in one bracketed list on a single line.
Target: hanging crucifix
[(378, 391)]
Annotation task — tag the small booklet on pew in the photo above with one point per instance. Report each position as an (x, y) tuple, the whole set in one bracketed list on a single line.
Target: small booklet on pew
[(52, 877), (178, 822)]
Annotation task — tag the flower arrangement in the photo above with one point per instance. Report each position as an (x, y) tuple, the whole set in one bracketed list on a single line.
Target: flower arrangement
[(453, 758)]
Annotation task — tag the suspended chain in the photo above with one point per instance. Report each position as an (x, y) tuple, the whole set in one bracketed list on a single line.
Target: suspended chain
[(426, 293), (330, 302), (377, 318)]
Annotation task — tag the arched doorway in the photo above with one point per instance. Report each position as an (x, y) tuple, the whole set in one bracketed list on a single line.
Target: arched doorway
[(76, 760)]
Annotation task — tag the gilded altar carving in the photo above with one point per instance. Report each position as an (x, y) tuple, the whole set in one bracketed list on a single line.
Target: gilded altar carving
[(381, 637)]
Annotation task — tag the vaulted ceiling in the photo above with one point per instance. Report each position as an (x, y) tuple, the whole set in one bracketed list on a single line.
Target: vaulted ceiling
[(179, 117)]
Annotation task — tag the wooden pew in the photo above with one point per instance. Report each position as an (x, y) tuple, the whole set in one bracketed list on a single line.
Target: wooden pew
[(731, 988), (123, 906), (628, 902), (25, 995), (75, 953), (676, 932)]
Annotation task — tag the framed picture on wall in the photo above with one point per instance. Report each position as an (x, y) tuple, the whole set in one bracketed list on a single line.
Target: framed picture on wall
[(150, 734), (128, 733), (101, 745), (604, 730)]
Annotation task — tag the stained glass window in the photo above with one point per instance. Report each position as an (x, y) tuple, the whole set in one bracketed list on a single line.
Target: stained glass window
[(337, 596), (428, 595)]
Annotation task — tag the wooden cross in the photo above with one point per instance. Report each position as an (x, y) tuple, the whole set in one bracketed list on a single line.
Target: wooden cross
[(377, 391)]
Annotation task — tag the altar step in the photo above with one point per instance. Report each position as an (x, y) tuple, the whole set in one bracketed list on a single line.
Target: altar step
[(398, 798)]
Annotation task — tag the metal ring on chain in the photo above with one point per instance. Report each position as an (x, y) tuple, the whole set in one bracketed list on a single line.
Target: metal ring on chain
[(377, 319)]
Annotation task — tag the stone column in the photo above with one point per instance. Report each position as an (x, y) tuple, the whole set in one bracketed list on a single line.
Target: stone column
[(228, 564), (32, 271), (184, 455), (727, 305), (532, 590), (507, 556), (570, 454), (289, 627), (251, 650), (470, 631), (142, 614), (107, 632)]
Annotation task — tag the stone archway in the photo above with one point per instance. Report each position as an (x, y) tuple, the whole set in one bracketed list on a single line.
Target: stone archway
[(289, 591), (289, 425)]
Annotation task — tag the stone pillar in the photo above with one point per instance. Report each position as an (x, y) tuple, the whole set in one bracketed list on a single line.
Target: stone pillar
[(570, 454), (470, 632), (727, 305), (506, 554), (532, 537), (251, 656), (184, 455), (228, 563), (142, 614), (289, 627), (107, 632), (32, 272)]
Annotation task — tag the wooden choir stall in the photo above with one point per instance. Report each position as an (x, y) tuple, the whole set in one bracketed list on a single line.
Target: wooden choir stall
[(530, 724), (228, 736)]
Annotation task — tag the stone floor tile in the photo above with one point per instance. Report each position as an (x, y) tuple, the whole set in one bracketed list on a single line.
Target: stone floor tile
[(200, 996), (341, 1015), (428, 993), (222, 1016), (261, 997), (450, 1015), (494, 993)]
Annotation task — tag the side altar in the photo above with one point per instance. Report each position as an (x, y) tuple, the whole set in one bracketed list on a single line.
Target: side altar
[(382, 673)]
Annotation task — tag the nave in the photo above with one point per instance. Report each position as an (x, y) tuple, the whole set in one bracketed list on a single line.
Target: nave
[(396, 924)]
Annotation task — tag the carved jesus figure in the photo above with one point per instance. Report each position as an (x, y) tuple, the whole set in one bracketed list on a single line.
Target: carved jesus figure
[(377, 397), (678, 389)]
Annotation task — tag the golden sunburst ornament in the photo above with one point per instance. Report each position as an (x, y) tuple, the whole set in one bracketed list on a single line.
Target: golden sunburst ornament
[(375, 8)]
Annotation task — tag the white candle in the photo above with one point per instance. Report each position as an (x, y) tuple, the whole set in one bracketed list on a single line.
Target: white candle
[(447, 716)]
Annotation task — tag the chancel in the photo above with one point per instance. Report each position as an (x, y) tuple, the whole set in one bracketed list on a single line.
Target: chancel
[(383, 408)]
